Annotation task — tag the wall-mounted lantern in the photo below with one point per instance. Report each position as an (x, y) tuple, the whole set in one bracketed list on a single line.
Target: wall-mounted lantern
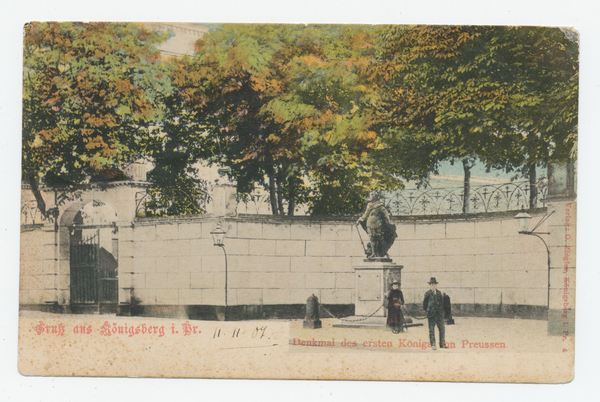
[(218, 236), (523, 219)]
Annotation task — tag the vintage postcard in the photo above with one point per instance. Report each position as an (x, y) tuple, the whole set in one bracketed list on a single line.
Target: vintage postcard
[(271, 201)]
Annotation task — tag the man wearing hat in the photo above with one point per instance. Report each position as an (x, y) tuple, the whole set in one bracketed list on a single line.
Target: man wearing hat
[(433, 304)]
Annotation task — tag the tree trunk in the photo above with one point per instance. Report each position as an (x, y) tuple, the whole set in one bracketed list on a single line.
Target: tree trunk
[(279, 195), (466, 186), (41, 204), (532, 186), (291, 202), (272, 193)]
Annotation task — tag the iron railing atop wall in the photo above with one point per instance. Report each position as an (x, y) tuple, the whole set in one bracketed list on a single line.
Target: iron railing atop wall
[(31, 214), (444, 201), (259, 203), (430, 201), (152, 204), (255, 203)]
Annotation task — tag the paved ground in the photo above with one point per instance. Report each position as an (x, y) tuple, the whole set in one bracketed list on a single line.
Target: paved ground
[(469, 334), (481, 349)]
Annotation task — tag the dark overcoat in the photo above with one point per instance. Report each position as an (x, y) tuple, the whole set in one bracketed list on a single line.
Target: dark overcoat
[(395, 301), (433, 303)]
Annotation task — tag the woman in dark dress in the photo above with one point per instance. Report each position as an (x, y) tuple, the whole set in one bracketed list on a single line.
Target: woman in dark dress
[(395, 319)]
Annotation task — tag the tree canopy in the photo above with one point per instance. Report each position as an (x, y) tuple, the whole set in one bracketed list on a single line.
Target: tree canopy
[(317, 114), (89, 96), (506, 95), (289, 110)]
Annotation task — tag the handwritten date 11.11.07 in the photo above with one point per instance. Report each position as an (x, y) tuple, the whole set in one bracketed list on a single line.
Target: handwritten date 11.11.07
[(256, 333)]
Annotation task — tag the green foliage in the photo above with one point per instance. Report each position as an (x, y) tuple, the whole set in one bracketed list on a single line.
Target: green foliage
[(173, 194), (484, 90), (175, 145), (338, 192), (316, 114), (89, 93), (285, 100)]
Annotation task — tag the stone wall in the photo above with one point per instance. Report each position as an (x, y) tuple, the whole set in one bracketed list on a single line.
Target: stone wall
[(480, 261), (39, 279), (269, 262)]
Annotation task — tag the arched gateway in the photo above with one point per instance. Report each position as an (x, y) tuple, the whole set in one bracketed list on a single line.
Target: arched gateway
[(93, 258)]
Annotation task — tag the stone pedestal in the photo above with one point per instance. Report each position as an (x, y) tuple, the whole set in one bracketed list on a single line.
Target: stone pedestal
[(373, 281)]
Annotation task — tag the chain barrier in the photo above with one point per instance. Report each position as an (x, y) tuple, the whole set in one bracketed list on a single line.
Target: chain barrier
[(404, 309), (413, 316), (329, 312), (363, 319), (345, 319)]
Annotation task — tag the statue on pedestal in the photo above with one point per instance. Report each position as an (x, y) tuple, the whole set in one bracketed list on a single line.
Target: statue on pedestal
[(376, 222)]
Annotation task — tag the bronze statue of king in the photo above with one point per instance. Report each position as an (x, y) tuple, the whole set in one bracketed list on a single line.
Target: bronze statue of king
[(376, 222)]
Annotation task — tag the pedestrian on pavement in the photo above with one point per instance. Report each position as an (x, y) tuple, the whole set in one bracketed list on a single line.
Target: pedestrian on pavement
[(433, 304), (395, 319)]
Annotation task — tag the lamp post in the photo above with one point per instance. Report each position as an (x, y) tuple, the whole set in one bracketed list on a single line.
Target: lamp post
[(523, 219), (218, 235)]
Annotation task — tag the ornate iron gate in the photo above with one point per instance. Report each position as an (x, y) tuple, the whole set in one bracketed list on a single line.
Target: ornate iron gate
[(85, 264), (93, 271), (109, 290)]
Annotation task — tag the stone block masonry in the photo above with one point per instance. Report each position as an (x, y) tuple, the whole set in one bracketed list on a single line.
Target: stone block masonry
[(478, 260), (283, 260)]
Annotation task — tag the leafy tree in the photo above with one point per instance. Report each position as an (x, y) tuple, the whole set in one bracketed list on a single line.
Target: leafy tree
[(318, 114), (175, 145), (220, 84), (288, 101), (258, 121), (544, 117), (480, 91), (89, 97)]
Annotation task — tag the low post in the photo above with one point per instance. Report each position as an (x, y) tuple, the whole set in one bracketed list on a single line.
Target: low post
[(312, 313)]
